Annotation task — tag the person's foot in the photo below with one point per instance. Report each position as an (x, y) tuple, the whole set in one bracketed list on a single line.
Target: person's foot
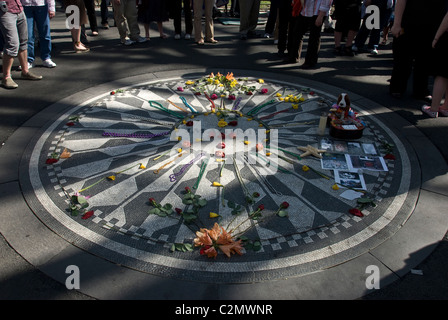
[(267, 35), (127, 42), (8, 83), (308, 66), (30, 65), (243, 37), (200, 42), (212, 41), (187, 36), (95, 33), (289, 60), (163, 36), (177, 36), (49, 63), (443, 112), (105, 25), (80, 47), (431, 114), (30, 76)]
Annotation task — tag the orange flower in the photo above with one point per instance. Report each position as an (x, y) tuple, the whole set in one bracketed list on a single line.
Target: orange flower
[(229, 76), (231, 248), (203, 239)]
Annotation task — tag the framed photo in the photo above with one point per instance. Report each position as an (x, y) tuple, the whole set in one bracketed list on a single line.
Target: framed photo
[(334, 161), (356, 162)]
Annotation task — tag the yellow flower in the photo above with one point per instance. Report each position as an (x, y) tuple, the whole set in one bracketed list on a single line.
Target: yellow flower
[(246, 142), (335, 187), (179, 138), (111, 178), (142, 166), (268, 154), (179, 150), (295, 106), (249, 119), (260, 81), (214, 215), (305, 168), (191, 117), (281, 99), (217, 184), (189, 82), (209, 80), (184, 121), (222, 123), (302, 99), (278, 94), (216, 81)]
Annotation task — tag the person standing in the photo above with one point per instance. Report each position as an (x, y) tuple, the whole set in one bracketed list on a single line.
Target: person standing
[(39, 13), (249, 12), (310, 19), (125, 15), (440, 71), (15, 34), (176, 12), (414, 21), (91, 14), (153, 11), (348, 20), (206, 7)]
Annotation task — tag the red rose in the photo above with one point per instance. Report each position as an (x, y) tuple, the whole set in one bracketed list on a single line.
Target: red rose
[(284, 205), (87, 215), (189, 123), (70, 124), (233, 123), (179, 211), (203, 249), (220, 154), (221, 145), (51, 161), (261, 207), (187, 189), (356, 212)]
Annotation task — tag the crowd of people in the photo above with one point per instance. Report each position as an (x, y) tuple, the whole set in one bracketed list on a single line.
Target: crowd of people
[(288, 22)]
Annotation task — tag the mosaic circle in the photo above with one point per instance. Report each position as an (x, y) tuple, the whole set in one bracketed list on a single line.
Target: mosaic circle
[(133, 174)]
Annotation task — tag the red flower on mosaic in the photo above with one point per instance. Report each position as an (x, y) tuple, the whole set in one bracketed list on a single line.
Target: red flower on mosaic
[(356, 212), (214, 239), (87, 215)]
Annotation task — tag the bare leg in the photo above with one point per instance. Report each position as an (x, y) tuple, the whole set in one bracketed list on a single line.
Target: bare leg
[(439, 90), (160, 27), (7, 65), (23, 60)]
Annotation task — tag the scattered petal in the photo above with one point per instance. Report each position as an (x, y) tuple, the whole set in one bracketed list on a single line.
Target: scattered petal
[(356, 212), (87, 215)]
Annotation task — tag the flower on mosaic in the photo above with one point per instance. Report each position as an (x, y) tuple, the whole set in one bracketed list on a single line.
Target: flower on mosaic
[(187, 190), (214, 239), (213, 215), (295, 106), (264, 91), (278, 94), (197, 93), (222, 123), (180, 89), (232, 97), (112, 178), (214, 96), (112, 93), (335, 187), (356, 212), (217, 184), (70, 124), (260, 81), (259, 146), (305, 168), (186, 144), (389, 156), (284, 205), (178, 210), (233, 123), (142, 166), (221, 145), (255, 194), (249, 93), (87, 215), (51, 161), (219, 154)]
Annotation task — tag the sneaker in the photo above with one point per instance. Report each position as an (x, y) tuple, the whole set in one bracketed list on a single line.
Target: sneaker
[(8, 83), (127, 42), (187, 36), (105, 25), (355, 48), (30, 65), (267, 35), (31, 76), (427, 110), (374, 51), (49, 63), (141, 39), (177, 36)]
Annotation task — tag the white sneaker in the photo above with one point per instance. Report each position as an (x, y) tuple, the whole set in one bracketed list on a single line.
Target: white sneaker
[(127, 42), (187, 36), (49, 63), (354, 48), (141, 39), (30, 65), (374, 51), (177, 36), (267, 35)]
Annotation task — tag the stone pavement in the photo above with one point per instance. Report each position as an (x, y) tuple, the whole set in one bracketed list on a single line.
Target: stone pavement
[(36, 247)]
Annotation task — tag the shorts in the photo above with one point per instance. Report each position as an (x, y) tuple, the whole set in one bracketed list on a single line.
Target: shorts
[(15, 32)]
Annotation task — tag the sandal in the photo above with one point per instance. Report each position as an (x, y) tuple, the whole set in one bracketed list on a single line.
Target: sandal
[(443, 112), (200, 42), (427, 110), (212, 41)]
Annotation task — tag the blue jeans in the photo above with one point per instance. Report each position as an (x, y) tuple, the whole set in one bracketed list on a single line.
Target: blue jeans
[(38, 15)]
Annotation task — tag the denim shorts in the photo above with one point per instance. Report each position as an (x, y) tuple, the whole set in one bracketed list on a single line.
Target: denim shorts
[(15, 32)]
